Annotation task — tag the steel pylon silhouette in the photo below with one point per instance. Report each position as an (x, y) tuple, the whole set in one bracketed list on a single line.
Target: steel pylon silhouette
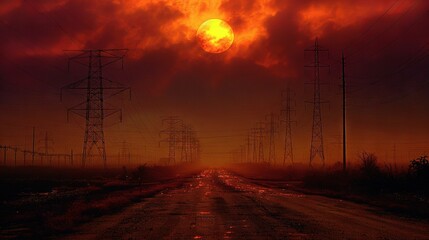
[(272, 129), (97, 88), (254, 139), (260, 128), (287, 121), (316, 150), (172, 131)]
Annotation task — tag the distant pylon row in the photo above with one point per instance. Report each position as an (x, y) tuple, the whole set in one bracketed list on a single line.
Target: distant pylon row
[(179, 134), (265, 134), (266, 131)]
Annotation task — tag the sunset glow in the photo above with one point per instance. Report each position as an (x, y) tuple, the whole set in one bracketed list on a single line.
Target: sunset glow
[(215, 36), (214, 119), (263, 51)]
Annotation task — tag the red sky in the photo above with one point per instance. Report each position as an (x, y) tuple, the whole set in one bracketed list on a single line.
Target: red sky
[(386, 43)]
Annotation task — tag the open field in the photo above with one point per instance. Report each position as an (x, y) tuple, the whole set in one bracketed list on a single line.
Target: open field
[(40, 202)]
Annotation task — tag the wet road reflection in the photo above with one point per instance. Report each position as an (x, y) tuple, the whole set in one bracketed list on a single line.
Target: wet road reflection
[(217, 204), (243, 185)]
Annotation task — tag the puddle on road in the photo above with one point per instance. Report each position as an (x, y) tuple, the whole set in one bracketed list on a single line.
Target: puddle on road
[(204, 212), (242, 186), (292, 195)]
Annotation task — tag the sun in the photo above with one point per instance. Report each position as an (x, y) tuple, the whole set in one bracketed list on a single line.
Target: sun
[(215, 36)]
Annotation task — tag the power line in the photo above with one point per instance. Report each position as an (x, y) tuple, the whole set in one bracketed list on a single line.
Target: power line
[(96, 86), (287, 122), (316, 149), (370, 27)]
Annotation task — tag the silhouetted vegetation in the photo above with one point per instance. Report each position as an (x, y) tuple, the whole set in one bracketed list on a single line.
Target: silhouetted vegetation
[(397, 190), (418, 173), (48, 201)]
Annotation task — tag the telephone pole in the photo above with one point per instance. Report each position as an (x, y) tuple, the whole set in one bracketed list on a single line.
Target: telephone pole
[(286, 120), (344, 111), (97, 88), (316, 149)]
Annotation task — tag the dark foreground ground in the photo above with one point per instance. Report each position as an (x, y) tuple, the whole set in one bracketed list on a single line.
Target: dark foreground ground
[(217, 204), (43, 202)]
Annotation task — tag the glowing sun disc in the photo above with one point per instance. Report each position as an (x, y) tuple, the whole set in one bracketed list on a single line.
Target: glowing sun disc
[(215, 36)]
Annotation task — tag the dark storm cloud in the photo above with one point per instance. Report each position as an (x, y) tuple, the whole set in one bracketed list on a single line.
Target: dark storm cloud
[(48, 27), (37, 32)]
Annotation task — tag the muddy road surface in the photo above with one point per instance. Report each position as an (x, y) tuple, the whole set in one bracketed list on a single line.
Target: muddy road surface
[(220, 205)]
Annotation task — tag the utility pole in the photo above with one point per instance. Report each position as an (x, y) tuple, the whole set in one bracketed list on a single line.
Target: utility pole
[(34, 145), (97, 88), (286, 120), (316, 149), (344, 111)]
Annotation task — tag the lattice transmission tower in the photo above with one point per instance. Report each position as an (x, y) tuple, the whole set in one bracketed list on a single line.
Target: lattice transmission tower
[(172, 132), (286, 120), (97, 89), (272, 130), (316, 149), (254, 139), (260, 130)]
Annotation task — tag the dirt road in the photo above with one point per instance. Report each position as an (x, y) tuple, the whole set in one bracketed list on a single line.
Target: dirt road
[(219, 205)]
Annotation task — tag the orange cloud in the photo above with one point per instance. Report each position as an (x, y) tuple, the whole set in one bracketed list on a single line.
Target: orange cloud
[(340, 14)]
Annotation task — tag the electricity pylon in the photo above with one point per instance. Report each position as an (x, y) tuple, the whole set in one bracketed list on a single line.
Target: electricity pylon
[(253, 133), (249, 143), (172, 132), (316, 149), (287, 121), (195, 147), (46, 148), (188, 143), (272, 130), (125, 154), (97, 88), (185, 142), (260, 129)]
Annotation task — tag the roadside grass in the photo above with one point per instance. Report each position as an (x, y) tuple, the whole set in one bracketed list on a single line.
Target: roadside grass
[(82, 211), (41, 202), (403, 191)]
